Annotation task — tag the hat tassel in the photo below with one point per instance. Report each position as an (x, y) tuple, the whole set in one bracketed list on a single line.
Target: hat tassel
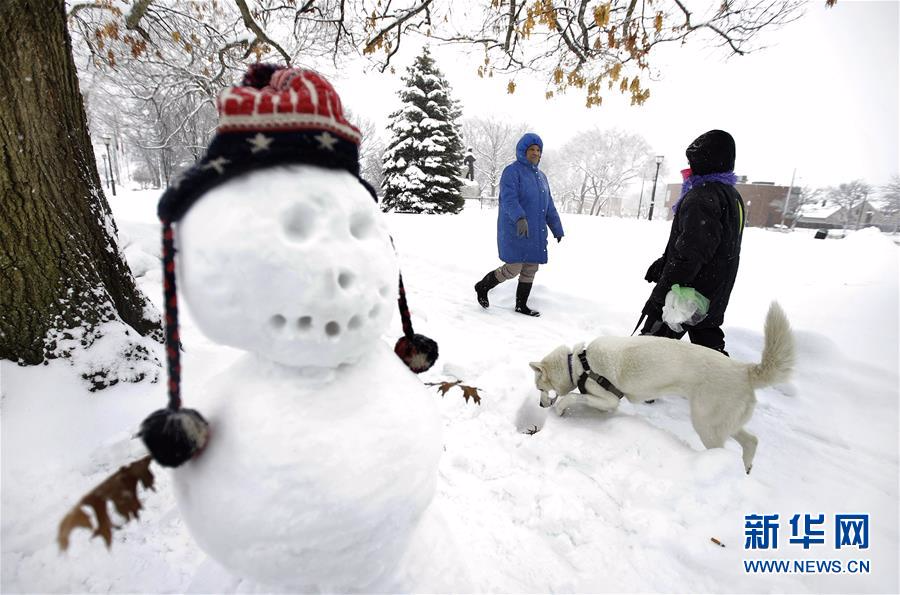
[(173, 435), (418, 352)]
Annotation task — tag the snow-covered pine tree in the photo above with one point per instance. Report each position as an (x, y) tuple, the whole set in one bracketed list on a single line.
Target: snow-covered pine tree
[(424, 156)]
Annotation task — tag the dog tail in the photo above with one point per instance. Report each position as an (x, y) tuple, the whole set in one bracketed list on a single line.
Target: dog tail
[(778, 351)]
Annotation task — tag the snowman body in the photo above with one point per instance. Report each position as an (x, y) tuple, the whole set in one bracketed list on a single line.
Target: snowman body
[(323, 447)]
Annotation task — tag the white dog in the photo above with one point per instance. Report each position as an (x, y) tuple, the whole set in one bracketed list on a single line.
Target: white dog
[(719, 389)]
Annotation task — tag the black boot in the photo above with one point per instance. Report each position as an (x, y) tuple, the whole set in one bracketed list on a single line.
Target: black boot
[(522, 292), (484, 286)]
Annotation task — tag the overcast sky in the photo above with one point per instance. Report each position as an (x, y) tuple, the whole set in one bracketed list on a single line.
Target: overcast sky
[(822, 97)]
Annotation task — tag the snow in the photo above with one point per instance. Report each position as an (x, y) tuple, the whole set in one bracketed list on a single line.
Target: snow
[(431, 123), (621, 502)]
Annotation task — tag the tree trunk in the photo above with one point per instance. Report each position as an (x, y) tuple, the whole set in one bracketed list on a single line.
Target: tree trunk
[(597, 204), (582, 193), (63, 283)]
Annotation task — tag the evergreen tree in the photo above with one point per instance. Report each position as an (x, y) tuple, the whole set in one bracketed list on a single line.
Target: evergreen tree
[(424, 156)]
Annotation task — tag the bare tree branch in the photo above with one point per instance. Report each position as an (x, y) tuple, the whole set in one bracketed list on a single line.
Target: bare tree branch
[(257, 30)]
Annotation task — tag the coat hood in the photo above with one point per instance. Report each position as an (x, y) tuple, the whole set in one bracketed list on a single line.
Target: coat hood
[(528, 139), (711, 152)]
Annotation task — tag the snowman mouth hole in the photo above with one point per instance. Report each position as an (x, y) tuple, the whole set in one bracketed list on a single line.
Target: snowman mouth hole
[(354, 323), (332, 329), (277, 322), (304, 323)]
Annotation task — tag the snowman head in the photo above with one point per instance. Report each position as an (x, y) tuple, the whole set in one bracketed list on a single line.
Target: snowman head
[(283, 251), (294, 263)]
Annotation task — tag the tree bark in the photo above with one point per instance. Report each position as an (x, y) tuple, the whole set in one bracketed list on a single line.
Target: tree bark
[(62, 278)]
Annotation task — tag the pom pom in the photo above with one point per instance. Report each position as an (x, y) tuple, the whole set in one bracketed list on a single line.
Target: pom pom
[(173, 437), (418, 352), (259, 75)]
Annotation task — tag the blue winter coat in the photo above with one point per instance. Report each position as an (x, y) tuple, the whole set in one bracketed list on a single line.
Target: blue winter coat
[(524, 192)]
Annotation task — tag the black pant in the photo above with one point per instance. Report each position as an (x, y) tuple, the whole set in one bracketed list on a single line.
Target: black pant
[(711, 337)]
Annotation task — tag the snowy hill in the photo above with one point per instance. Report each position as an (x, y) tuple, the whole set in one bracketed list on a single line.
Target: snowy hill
[(620, 502)]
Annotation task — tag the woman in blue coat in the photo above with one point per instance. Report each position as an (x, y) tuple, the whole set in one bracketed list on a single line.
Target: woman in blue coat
[(526, 210)]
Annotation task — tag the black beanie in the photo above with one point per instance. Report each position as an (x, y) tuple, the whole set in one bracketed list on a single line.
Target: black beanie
[(712, 152), (277, 116)]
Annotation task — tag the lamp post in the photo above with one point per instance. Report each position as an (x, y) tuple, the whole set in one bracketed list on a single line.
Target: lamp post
[(787, 199), (641, 199), (105, 170), (108, 161), (659, 160)]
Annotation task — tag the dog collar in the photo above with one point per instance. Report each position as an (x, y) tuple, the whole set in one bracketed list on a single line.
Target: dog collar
[(571, 377)]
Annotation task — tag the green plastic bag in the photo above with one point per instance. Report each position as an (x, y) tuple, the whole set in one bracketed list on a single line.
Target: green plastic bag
[(684, 306)]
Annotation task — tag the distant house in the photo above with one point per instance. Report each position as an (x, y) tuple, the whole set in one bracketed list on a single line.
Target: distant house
[(827, 215), (822, 215), (763, 201)]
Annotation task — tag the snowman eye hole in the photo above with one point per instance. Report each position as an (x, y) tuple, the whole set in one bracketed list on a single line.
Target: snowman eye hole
[(362, 225), (345, 279), (299, 222)]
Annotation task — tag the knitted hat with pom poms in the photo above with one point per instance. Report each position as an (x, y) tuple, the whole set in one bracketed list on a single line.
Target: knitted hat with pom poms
[(277, 116)]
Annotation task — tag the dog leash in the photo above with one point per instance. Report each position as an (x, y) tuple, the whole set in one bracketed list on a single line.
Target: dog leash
[(640, 320)]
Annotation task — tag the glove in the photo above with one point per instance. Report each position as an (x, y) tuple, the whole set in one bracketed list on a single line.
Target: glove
[(684, 306), (655, 270), (522, 228), (652, 310), (558, 239)]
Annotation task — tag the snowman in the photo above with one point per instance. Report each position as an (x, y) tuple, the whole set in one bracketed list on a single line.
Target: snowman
[(316, 455)]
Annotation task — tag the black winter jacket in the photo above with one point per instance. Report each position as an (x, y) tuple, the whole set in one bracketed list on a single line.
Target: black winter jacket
[(703, 250)]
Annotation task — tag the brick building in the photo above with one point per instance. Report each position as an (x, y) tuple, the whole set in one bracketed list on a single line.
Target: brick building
[(763, 201)]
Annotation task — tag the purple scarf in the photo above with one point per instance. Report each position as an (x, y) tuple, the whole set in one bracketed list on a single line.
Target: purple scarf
[(726, 177)]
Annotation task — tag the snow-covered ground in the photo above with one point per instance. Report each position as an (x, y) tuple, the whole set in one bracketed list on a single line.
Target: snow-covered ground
[(592, 502)]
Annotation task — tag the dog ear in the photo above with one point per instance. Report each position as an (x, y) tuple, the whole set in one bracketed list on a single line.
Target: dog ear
[(537, 366)]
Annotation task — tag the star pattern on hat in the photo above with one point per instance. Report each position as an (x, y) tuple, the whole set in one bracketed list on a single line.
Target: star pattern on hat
[(217, 164), (326, 141), (260, 142)]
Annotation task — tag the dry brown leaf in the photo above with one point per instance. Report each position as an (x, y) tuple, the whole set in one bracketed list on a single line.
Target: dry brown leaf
[(469, 392), (120, 488), (443, 387)]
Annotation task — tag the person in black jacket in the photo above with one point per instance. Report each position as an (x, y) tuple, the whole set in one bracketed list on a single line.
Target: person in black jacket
[(704, 244)]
